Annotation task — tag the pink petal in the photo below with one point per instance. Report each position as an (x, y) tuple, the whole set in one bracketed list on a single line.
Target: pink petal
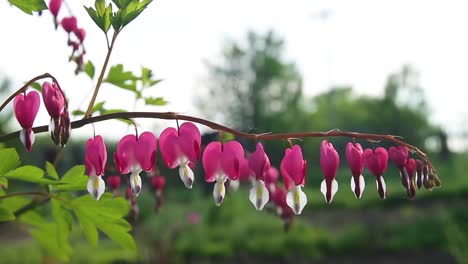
[(329, 161), (230, 161), (190, 141), (245, 173), (398, 155), (96, 155), (271, 175), (259, 162), (169, 147), (26, 108), (355, 160), (376, 160), (293, 167), (124, 156), (210, 160), (53, 99), (54, 6), (145, 150)]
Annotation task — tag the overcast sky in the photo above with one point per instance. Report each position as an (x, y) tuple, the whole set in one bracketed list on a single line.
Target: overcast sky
[(360, 44)]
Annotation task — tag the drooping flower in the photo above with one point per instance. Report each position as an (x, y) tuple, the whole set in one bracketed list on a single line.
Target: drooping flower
[(259, 163), (180, 148), (399, 156), (26, 107), (134, 155), (69, 24), (376, 162), (278, 196), (53, 99), (113, 181), (80, 33), (95, 159), (271, 178), (54, 6), (410, 167), (356, 165), (293, 169), (419, 173), (158, 182), (329, 161), (222, 162)]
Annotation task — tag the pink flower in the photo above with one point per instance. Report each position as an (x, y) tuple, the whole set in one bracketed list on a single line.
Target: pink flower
[(134, 155), (158, 182), (95, 159), (293, 169), (222, 162), (271, 178), (329, 161), (398, 155), (53, 99), (259, 163), (410, 167), (193, 218), (69, 24), (80, 33), (54, 6), (356, 165), (180, 148), (26, 107), (113, 181), (376, 162)]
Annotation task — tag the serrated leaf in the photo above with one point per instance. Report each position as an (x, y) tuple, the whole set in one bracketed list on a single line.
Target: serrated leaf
[(98, 20), (6, 215), (29, 173), (29, 6), (159, 101), (119, 235), (88, 227), (74, 174), (50, 169), (61, 218), (9, 160), (15, 203), (89, 69), (133, 10), (107, 206), (120, 78)]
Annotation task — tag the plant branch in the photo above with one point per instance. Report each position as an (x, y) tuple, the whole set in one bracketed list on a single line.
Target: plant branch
[(33, 204), (101, 76), (219, 127)]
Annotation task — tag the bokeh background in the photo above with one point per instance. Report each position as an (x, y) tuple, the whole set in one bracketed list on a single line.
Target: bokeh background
[(389, 67)]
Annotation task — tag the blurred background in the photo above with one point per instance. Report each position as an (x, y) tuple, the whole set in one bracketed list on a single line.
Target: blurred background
[(388, 67)]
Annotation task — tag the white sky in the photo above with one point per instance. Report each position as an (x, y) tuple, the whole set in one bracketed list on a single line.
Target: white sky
[(360, 45)]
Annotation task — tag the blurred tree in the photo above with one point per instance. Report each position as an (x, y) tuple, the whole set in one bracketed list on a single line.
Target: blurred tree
[(252, 84)]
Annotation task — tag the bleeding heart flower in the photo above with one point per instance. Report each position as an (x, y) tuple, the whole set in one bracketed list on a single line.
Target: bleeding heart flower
[(399, 156), (53, 99), (419, 173), (271, 178), (95, 159), (278, 196), (260, 165), (134, 155), (26, 107), (376, 162), (113, 181), (80, 33), (222, 162), (329, 161), (158, 182), (356, 165), (54, 6), (293, 169), (180, 149), (69, 24), (410, 167)]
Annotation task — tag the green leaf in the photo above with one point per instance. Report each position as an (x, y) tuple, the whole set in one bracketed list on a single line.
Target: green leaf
[(133, 10), (50, 169), (119, 235), (78, 112), (29, 6), (100, 6), (4, 182), (6, 215), (15, 203), (98, 107), (29, 173), (33, 218), (73, 180), (117, 20), (155, 101), (46, 236), (88, 227), (62, 219), (37, 86), (98, 20), (9, 160), (106, 207), (120, 78), (89, 69), (108, 18)]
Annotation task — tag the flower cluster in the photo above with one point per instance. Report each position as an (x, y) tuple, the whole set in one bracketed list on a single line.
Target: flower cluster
[(76, 35), (26, 105)]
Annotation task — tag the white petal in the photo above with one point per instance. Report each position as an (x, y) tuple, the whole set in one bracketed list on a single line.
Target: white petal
[(23, 136), (362, 185), (218, 192), (296, 199), (259, 195), (32, 137), (96, 186), (234, 185), (135, 183), (334, 189), (384, 186), (186, 175)]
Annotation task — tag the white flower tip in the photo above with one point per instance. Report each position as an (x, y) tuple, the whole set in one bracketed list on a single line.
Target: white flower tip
[(296, 199), (381, 187), (218, 193), (259, 195), (186, 175), (135, 183), (358, 189), (27, 140), (96, 186), (327, 192)]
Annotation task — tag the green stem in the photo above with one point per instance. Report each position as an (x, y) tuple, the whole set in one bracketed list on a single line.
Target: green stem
[(101, 76)]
